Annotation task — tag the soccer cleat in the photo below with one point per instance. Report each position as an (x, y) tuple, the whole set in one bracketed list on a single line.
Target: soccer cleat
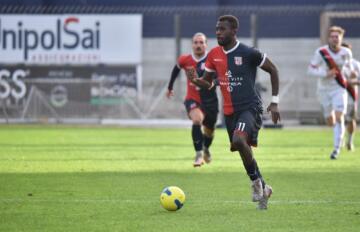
[(257, 188), (198, 161), (264, 200), (334, 155), (207, 156), (350, 147)]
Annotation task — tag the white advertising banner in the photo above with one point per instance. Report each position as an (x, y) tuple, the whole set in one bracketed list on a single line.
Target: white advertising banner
[(70, 39)]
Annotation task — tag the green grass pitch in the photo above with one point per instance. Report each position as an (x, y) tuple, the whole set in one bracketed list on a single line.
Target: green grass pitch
[(56, 178)]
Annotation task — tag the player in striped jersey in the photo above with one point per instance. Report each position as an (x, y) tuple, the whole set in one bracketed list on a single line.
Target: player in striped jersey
[(234, 65), (328, 64), (353, 77), (201, 104)]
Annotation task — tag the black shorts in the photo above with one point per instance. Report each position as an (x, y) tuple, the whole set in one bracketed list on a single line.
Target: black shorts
[(246, 122), (210, 118)]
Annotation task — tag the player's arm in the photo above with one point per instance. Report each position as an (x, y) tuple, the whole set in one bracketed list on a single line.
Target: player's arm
[(174, 74), (317, 70), (354, 78), (270, 68), (355, 73), (354, 82), (206, 81)]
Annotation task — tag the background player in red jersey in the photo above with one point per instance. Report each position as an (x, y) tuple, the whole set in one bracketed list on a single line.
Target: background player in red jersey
[(235, 66), (201, 104)]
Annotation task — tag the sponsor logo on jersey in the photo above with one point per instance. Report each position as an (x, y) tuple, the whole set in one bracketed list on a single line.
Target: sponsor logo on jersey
[(231, 81)]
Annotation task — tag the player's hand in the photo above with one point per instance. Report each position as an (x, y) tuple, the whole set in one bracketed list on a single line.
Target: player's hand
[(275, 114), (191, 73), (354, 82), (353, 75), (331, 73), (169, 93)]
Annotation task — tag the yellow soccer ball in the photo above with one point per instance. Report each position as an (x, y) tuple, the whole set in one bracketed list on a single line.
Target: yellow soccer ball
[(172, 198)]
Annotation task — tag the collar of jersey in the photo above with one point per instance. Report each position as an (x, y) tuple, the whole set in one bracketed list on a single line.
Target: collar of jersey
[(236, 45), (328, 47), (201, 58)]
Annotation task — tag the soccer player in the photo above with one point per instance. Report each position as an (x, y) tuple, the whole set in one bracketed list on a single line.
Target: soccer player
[(351, 114), (328, 64), (201, 104), (234, 65)]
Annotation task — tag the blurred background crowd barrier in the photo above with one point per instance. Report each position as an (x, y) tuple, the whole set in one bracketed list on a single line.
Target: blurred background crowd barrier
[(107, 61)]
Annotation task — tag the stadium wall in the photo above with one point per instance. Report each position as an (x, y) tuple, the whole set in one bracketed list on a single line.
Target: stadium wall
[(291, 55), (288, 33)]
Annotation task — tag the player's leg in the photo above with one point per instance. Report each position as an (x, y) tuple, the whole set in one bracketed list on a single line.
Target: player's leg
[(208, 138), (351, 126), (339, 132), (242, 135), (325, 101), (351, 132), (197, 116), (330, 119), (267, 189), (339, 102), (209, 124), (258, 184)]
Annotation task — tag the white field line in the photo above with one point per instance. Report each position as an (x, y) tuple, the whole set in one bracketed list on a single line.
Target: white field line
[(133, 201)]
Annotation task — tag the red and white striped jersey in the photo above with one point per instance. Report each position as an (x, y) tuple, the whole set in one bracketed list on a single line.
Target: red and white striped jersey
[(319, 68)]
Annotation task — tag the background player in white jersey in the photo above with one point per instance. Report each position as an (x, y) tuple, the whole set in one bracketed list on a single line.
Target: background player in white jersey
[(328, 65), (351, 114)]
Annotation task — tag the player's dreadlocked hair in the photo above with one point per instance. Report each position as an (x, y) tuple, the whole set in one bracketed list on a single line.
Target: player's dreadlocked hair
[(234, 22)]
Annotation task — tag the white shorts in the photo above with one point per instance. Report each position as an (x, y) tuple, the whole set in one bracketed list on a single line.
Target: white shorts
[(333, 100)]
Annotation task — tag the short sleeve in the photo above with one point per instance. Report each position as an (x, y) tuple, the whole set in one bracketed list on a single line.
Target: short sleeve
[(350, 55), (209, 65), (181, 62), (349, 64), (257, 58), (350, 59), (357, 68), (316, 59)]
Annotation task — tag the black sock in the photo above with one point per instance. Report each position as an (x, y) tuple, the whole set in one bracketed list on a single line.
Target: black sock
[(207, 141), (197, 137), (251, 170), (259, 174)]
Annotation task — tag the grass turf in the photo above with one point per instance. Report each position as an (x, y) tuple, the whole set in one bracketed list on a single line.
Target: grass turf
[(55, 178)]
